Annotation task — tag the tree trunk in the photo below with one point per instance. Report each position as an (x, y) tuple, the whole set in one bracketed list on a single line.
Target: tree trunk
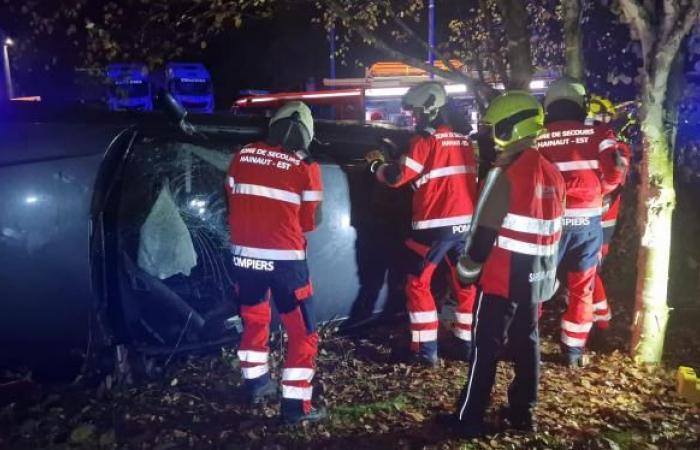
[(657, 198), (573, 38), (515, 21), (661, 39)]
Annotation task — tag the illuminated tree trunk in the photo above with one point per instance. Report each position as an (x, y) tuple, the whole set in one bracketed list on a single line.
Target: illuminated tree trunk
[(657, 198), (660, 36)]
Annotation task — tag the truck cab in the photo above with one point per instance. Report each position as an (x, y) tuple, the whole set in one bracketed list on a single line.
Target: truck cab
[(129, 88), (190, 84)]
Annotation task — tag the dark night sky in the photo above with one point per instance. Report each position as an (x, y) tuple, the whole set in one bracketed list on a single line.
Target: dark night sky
[(283, 52), (277, 54)]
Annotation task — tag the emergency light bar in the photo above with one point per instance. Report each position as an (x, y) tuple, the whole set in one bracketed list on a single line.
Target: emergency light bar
[(300, 96), (257, 100), (386, 92), (399, 91), (331, 94), (32, 98)]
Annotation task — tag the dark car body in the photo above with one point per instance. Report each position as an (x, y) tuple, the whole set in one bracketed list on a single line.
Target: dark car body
[(76, 189)]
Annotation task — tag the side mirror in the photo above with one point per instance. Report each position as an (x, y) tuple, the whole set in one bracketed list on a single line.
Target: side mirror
[(176, 113), (389, 147)]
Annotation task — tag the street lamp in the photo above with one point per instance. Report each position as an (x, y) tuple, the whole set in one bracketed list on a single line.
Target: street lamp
[(6, 44), (431, 34)]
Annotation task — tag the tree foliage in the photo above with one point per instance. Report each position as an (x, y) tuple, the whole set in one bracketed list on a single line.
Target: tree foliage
[(95, 33), (91, 34), (478, 33)]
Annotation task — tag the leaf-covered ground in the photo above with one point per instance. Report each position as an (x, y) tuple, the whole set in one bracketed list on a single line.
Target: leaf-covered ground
[(377, 402), (374, 401)]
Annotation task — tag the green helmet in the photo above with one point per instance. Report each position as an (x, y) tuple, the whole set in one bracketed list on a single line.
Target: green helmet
[(303, 113), (566, 89), (513, 116), (428, 97)]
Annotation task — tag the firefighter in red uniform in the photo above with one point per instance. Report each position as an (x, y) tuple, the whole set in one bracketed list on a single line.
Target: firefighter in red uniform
[(588, 158), (512, 252), (601, 111), (441, 165), (274, 189)]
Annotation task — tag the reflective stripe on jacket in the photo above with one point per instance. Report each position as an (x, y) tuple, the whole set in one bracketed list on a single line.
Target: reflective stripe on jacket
[(272, 196), (442, 168), (523, 207), (586, 157)]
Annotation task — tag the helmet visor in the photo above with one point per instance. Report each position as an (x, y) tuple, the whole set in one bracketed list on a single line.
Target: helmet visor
[(503, 130)]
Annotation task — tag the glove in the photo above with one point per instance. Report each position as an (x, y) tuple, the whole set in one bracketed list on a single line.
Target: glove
[(468, 271), (375, 158), (607, 201)]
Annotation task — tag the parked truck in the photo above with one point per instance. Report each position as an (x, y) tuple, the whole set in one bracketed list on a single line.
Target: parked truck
[(190, 84), (129, 87)]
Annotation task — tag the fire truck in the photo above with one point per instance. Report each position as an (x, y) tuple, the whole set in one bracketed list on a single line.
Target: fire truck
[(376, 97)]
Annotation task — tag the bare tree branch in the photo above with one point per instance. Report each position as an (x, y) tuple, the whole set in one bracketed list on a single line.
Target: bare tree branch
[(690, 17), (515, 21), (476, 84), (573, 38), (500, 63), (649, 7), (638, 17), (671, 10), (442, 56), (381, 45)]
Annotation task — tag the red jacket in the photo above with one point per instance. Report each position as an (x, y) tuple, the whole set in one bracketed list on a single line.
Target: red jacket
[(586, 157), (272, 198), (523, 206), (442, 168)]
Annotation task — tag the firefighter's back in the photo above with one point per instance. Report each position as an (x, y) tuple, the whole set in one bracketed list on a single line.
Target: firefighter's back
[(574, 148), (266, 188)]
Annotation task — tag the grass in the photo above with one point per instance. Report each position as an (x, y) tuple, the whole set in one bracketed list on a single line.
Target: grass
[(625, 440), (366, 410)]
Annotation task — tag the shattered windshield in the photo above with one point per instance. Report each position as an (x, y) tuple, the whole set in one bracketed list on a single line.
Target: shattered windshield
[(173, 240)]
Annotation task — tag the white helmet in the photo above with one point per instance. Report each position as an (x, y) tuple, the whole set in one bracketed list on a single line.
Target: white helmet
[(303, 113), (428, 97)]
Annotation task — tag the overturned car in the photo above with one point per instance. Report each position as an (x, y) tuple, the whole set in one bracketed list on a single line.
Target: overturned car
[(113, 232)]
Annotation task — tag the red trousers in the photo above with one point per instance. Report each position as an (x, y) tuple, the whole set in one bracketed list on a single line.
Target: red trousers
[(579, 256), (291, 291), (421, 306), (601, 307)]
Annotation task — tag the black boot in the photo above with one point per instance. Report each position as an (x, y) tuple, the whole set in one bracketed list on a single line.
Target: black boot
[(266, 392), (457, 349), (462, 429), (523, 421), (573, 357), (315, 415)]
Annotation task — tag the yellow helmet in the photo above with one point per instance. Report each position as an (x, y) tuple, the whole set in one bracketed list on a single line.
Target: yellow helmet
[(601, 108), (514, 115)]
